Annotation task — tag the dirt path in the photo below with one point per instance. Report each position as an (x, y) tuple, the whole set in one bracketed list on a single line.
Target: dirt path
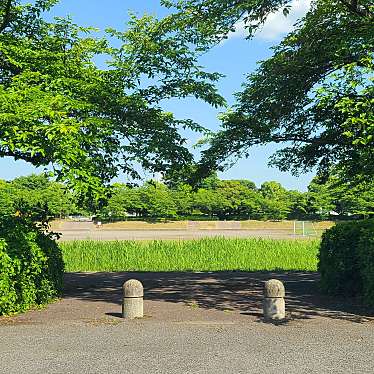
[(97, 234)]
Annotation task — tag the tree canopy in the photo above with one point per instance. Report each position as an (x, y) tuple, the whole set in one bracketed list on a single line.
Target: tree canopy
[(314, 96), (59, 109), (207, 22)]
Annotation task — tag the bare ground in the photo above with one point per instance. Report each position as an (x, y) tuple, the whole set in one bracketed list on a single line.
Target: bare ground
[(97, 234), (184, 230)]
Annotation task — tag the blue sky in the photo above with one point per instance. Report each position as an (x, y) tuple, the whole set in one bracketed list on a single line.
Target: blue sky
[(235, 58)]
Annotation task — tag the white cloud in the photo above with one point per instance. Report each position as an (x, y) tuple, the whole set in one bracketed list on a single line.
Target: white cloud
[(276, 24)]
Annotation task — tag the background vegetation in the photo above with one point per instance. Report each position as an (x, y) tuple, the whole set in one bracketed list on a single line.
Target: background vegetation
[(212, 199)]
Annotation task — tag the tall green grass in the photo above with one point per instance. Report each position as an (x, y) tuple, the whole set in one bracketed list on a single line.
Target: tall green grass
[(213, 254)]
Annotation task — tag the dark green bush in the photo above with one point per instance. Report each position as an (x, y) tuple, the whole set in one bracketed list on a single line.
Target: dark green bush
[(366, 262), (346, 258), (31, 266)]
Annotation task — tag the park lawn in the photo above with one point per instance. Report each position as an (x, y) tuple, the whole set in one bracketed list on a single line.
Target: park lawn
[(211, 254)]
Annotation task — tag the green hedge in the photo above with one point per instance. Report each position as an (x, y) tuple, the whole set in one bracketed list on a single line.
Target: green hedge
[(31, 266), (366, 262), (346, 260)]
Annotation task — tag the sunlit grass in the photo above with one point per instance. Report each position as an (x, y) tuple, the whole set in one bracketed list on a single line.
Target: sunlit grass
[(212, 254)]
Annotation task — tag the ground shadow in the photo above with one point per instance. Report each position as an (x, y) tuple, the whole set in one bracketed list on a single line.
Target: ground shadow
[(237, 291), (117, 315)]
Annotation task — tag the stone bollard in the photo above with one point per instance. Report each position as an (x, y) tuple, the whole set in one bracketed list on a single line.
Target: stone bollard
[(132, 305), (274, 305)]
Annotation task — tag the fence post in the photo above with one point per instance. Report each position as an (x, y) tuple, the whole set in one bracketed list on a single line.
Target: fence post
[(274, 305), (132, 305)]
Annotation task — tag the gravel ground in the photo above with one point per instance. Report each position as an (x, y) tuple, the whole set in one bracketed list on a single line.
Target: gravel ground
[(148, 347), (194, 323)]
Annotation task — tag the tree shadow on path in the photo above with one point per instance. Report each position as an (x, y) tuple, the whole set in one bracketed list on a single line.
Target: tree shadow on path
[(225, 291)]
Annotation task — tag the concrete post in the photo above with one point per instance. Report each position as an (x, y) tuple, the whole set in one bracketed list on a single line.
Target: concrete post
[(274, 305), (132, 305)]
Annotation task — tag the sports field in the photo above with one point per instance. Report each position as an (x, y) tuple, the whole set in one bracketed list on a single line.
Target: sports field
[(188, 230)]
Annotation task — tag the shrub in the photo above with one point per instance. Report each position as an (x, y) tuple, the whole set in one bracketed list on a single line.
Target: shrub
[(31, 266), (346, 259), (366, 262)]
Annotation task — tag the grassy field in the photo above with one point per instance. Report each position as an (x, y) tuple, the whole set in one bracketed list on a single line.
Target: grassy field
[(214, 254)]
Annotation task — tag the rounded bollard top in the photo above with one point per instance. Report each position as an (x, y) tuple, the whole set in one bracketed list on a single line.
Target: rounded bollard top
[(274, 288), (133, 288)]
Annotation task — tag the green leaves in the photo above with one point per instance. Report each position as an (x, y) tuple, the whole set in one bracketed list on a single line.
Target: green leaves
[(346, 198), (31, 266), (156, 50), (207, 22), (346, 260), (313, 96), (59, 110), (36, 197)]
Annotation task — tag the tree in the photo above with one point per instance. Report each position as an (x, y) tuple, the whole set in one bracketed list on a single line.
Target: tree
[(275, 203), (223, 199), (31, 182), (58, 108), (344, 198), (319, 198), (158, 200), (59, 200), (314, 95), (241, 199), (247, 184), (38, 192), (207, 22), (183, 199), (209, 202), (124, 200), (298, 204)]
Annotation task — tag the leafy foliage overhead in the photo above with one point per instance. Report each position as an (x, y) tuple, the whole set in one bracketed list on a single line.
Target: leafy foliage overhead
[(58, 108), (314, 95), (206, 22)]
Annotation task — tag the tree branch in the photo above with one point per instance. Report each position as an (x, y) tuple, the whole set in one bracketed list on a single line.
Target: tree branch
[(6, 19), (293, 138), (354, 7), (36, 160)]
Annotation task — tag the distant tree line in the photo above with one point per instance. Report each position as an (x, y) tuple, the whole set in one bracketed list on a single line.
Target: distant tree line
[(37, 195), (211, 199)]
